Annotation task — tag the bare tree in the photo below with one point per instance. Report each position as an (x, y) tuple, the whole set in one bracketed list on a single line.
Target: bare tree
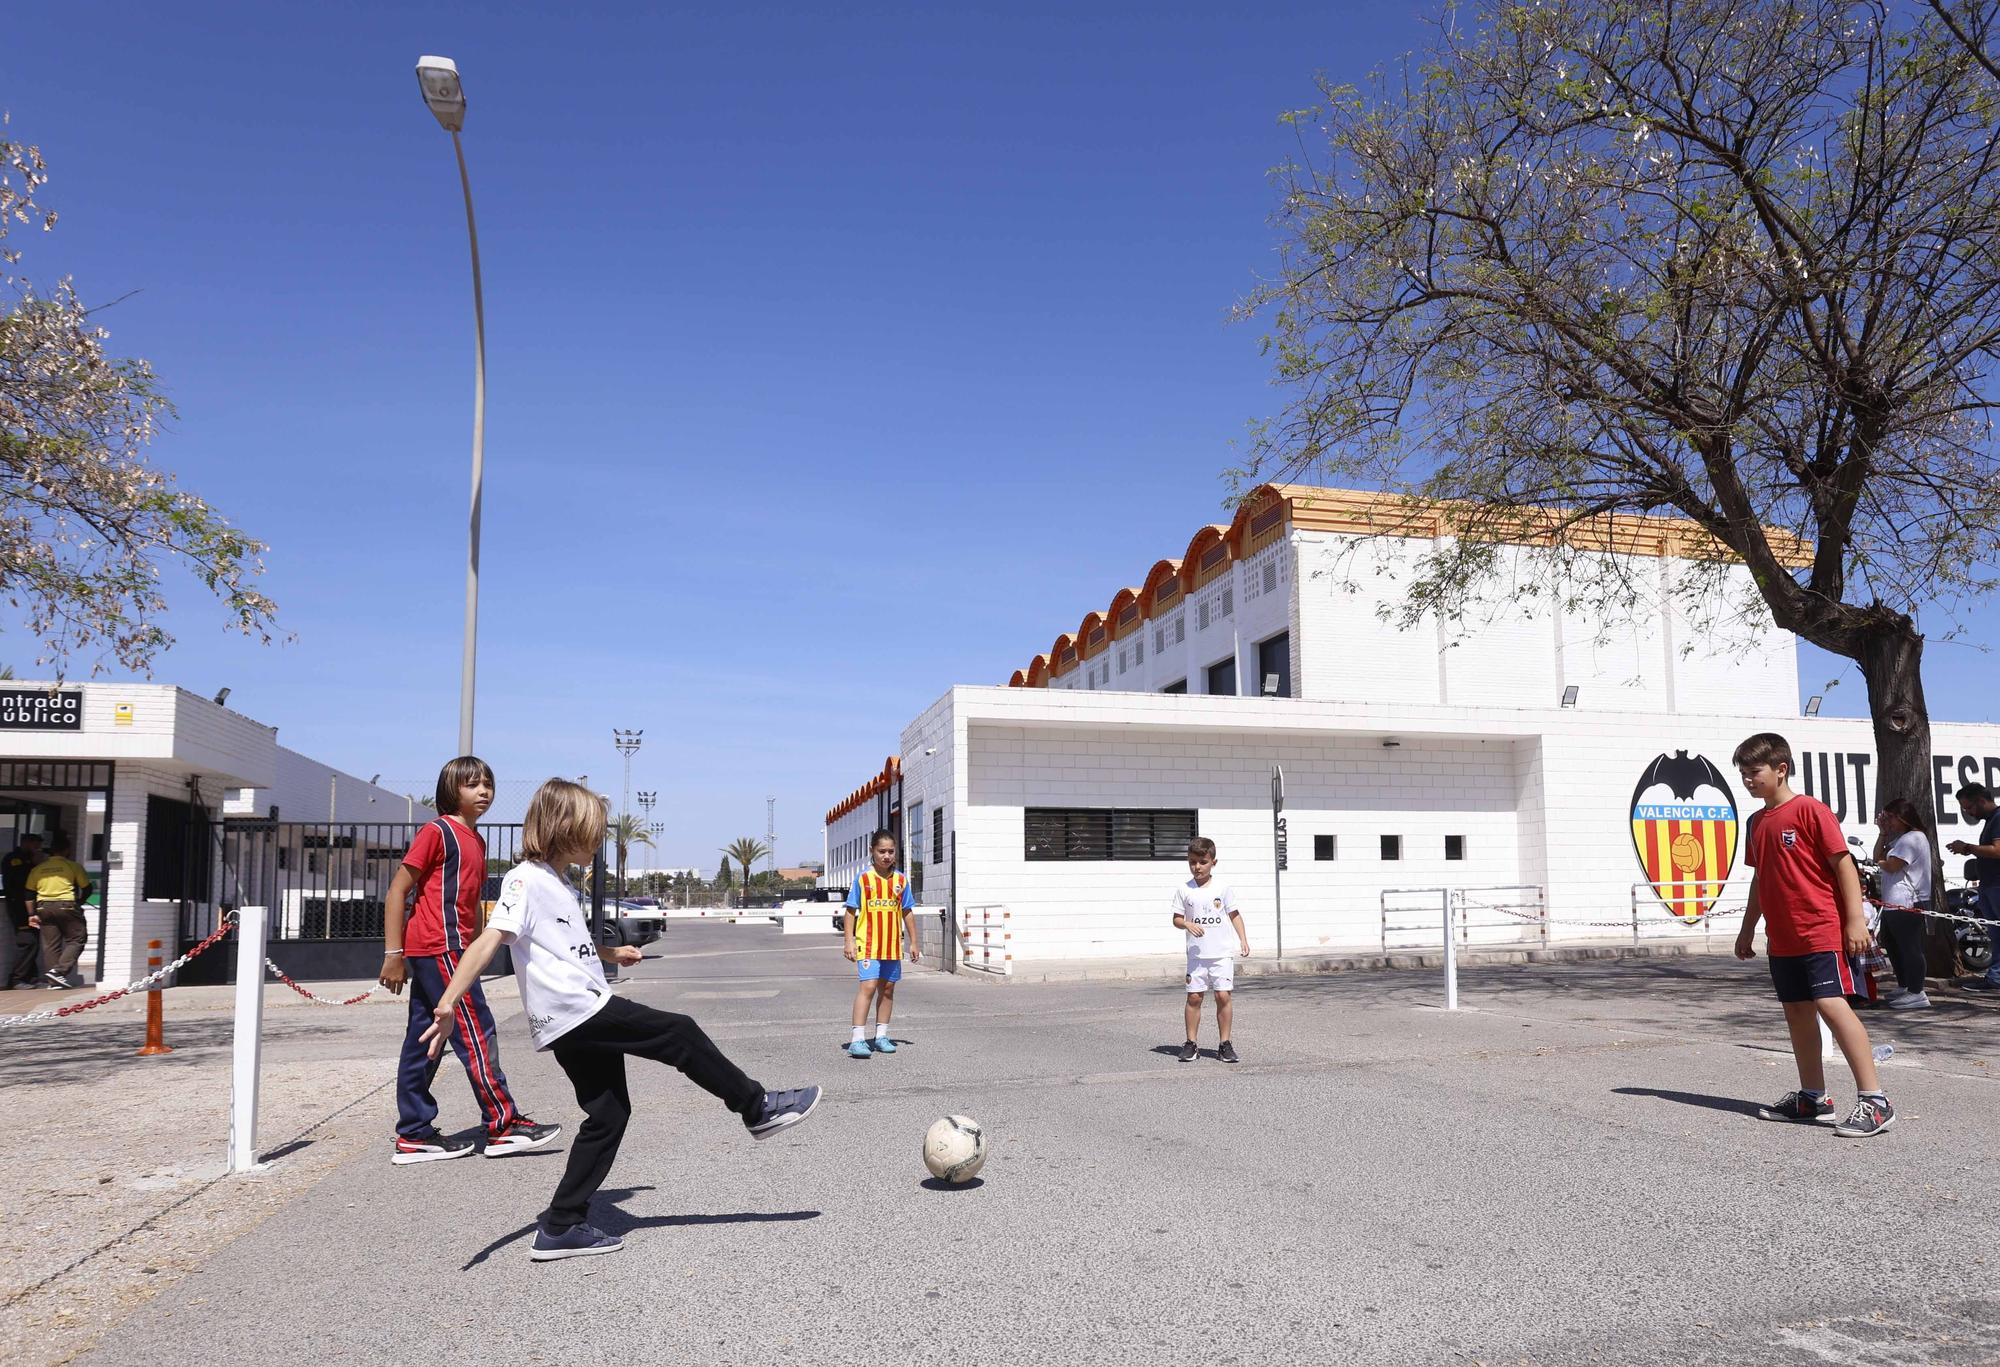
[(1736, 261), (86, 525)]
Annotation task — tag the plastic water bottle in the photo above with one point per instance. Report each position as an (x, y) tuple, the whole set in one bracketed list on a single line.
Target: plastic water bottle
[(1883, 1051)]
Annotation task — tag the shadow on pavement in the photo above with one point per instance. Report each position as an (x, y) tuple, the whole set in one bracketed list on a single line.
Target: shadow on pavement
[(1732, 1104), (608, 1217), (939, 1184)]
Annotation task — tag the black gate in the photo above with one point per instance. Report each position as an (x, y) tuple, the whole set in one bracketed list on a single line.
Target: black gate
[(323, 884)]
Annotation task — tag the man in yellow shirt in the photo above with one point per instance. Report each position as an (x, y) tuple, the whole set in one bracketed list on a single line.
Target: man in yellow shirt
[(57, 888)]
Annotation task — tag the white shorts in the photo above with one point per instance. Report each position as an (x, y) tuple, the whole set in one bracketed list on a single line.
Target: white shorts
[(1211, 975)]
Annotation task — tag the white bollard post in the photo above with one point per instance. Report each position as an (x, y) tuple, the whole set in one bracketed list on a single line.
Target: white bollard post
[(1450, 959), (250, 926)]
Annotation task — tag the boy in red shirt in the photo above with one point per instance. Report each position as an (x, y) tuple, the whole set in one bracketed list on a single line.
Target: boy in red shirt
[(1807, 891), (447, 866)]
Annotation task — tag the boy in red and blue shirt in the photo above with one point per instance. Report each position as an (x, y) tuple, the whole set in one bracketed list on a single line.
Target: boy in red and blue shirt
[(446, 865), (1807, 892)]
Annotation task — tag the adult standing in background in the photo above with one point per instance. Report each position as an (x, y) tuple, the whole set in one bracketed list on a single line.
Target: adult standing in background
[(17, 939), (57, 889), (1903, 852), (1976, 805)]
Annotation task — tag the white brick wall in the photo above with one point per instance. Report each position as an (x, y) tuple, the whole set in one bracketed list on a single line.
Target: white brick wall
[(1543, 798)]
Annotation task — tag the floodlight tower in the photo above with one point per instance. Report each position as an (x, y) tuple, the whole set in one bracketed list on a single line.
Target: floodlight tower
[(771, 831)]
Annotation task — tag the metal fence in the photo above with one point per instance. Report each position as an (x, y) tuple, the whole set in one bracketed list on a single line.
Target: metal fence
[(321, 880)]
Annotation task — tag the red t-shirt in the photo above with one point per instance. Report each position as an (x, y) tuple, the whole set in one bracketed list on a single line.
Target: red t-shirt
[(1789, 846), (449, 861)]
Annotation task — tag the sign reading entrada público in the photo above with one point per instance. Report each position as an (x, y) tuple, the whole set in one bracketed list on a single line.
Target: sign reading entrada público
[(37, 709)]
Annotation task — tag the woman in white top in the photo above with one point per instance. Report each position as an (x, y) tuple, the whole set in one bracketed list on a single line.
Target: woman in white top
[(1904, 853)]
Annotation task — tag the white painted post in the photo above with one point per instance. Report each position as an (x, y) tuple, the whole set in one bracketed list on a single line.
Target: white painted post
[(250, 926), (1450, 957)]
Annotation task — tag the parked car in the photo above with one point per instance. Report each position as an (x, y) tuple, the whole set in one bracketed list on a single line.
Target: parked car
[(822, 895), (626, 923)]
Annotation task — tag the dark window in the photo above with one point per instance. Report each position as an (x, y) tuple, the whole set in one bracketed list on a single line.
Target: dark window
[(177, 852), (1274, 657), (937, 835), (1392, 847), (1323, 847), (1100, 833), (1177, 686), (1222, 677), (1454, 847)]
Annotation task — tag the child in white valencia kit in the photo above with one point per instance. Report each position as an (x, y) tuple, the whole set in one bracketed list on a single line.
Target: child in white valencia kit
[(1203, 906), (572, 1011)]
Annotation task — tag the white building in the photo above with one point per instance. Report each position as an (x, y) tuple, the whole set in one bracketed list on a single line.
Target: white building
[(1528, 760), (144, 778)]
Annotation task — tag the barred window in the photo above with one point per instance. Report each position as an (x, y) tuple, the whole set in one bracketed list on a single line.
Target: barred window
[(937, 835), (1104, 833)]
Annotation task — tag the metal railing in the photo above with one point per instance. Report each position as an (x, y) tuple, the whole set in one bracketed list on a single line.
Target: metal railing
[(986, 940), (1499, 914)]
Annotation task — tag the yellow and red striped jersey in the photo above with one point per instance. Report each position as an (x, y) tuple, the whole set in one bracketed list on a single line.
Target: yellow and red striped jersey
[(877, 903)]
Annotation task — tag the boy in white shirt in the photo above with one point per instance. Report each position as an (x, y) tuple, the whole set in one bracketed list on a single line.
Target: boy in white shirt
[(572, 1011), (1202, 906)]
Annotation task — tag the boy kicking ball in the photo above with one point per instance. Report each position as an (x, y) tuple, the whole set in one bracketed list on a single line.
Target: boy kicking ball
[(878, 908), (572, 1012), (1202, 906), (1807, 892)]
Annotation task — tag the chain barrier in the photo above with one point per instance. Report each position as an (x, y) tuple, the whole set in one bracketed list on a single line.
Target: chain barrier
[(1622, 923), (228, 924), (285, 978)]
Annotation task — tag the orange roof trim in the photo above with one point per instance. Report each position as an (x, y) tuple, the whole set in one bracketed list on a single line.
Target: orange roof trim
[(1264, 514), (892, 769)]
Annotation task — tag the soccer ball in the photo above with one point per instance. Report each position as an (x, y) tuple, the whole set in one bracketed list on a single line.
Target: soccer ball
[(955, 1149)]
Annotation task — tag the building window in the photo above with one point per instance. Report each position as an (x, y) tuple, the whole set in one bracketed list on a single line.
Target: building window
[(1222, 676), (1177, 686), (1274, 659), (1122, 659), (1139, 650), (1107, 834), (916, 850), (1324, 847), (1454, 847), (1228, 600), (1270, 575), (1392, 847), (937, 835)]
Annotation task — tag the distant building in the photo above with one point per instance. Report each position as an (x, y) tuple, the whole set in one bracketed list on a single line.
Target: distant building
[(1533, 756)]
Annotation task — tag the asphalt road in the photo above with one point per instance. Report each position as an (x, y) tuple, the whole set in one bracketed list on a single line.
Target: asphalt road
[(1568, 1171)]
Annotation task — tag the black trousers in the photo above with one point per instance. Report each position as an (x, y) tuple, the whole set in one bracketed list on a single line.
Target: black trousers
[(1902, 936), (593, 1055)]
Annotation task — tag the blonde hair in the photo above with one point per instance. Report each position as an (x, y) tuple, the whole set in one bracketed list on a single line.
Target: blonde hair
[(564, 824)]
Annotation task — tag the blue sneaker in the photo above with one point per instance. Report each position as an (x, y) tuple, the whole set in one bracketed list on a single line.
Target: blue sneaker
[(859, 1049), (578, 1241), (780, 1109), (882, 1044)]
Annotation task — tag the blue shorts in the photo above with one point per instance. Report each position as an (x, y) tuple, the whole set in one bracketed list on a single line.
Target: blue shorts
[(1808, 977), (879, 970)]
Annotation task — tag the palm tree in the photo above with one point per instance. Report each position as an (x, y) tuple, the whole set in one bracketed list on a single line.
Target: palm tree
[(745, 850), (626, 831)]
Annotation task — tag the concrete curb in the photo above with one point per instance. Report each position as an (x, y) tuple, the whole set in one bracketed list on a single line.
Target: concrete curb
[(1320, 965)]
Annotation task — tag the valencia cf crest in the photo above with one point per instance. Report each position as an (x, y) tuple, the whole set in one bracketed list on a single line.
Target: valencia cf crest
[(1684, 828)]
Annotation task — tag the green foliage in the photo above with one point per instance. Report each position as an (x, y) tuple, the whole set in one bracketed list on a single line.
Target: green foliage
[(86, 525), (1733, 261)]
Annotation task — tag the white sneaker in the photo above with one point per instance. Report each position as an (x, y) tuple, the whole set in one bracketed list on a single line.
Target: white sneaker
[(1909, 1001)]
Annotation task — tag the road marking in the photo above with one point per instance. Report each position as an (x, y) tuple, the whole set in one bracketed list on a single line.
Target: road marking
[(724, 996)]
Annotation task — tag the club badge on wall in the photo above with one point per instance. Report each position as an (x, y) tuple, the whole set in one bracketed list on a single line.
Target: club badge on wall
[(1684, 828)]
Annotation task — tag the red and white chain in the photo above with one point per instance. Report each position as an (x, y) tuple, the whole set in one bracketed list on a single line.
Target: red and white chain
[(284, 978), (228, 924)]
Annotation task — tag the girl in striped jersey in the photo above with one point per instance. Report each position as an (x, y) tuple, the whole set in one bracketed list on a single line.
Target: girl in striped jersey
[(877, 909)]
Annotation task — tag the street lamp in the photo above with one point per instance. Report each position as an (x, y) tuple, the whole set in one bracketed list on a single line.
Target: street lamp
[(627, 744), (646, 801), (437, 77)]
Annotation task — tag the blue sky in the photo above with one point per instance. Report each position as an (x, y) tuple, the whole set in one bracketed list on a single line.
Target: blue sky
[(836, 355)]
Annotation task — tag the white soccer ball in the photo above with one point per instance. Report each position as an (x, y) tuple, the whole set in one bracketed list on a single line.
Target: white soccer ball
[(955, 1149)]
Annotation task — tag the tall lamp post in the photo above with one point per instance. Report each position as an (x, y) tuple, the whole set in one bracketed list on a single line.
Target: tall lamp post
[(646, 801), (627, 743), (437, 77)]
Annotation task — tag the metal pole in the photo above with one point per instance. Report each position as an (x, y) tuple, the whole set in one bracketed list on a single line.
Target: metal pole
[(468, 667), (1450, 957), (1278, 878)]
